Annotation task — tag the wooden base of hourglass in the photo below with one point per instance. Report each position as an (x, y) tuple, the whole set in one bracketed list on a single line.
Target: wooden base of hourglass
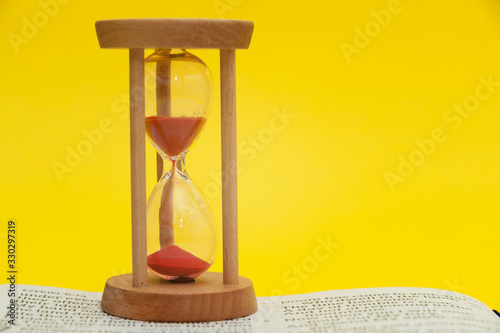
[(213, 296), (205, 299)]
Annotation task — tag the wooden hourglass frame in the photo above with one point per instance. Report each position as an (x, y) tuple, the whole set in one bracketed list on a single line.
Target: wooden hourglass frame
[(213, 296)]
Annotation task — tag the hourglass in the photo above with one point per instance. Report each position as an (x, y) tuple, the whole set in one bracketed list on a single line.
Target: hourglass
[(170, 96), (181, 232)]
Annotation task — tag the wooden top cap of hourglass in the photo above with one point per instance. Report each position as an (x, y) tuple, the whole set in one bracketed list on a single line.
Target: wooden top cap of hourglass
[(174, 33)]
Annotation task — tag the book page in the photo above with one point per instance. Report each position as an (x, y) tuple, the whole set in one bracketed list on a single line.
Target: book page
[(376, 310), (48, 309)]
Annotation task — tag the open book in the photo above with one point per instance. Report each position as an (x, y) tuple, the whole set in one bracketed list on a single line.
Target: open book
[(49, 309)]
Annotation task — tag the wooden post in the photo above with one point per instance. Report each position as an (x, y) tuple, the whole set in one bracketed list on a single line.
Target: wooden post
[(163, 101), (166, 212), (229, 167), (138, 169), (164, 108)]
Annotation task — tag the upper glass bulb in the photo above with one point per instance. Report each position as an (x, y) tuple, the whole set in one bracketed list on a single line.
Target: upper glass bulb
[(178, 100)]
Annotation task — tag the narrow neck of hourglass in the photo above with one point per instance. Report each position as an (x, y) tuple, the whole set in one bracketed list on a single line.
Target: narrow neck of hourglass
[(180, 164)]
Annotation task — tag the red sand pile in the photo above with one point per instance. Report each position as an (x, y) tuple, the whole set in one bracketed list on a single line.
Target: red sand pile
[(173, 135), (174, 261)]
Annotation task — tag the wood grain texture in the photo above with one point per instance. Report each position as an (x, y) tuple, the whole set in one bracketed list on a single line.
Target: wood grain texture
[(174, 33), (229, 166), (166, 212), (164, 109), (159, 167), (206, 299), (138, 167)]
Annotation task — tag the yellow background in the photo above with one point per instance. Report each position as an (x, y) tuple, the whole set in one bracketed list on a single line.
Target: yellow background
[(320, 176)]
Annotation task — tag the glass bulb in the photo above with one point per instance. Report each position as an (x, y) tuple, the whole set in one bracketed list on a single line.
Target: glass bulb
[(181, 232)]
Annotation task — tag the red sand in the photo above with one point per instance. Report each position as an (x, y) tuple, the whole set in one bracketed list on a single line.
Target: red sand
[(173, 135), (174, 261)]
